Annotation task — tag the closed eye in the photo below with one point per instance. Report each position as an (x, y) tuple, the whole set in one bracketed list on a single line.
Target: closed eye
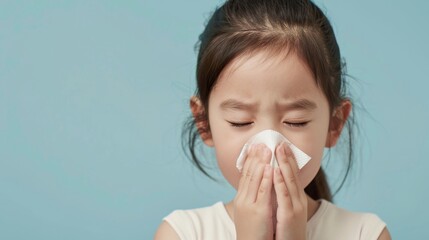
[(291, 124), (296, 124), (235, 124)]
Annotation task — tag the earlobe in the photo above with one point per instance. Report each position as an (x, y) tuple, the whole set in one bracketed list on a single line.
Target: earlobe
[(201, 120), (337, 122)]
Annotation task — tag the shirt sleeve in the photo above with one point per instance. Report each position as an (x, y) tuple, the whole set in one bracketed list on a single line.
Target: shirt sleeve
[(182, 224), (372, 227)]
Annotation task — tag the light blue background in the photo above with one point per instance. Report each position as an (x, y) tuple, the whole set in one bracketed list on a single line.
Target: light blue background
[(93, 95)]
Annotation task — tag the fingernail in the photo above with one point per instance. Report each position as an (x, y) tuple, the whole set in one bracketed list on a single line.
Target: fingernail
[(281, 148), (285, 146), (267, 151), (288, 151), (259, 148)]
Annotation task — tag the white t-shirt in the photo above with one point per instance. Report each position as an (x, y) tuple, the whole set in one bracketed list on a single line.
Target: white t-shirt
[(329, 222)]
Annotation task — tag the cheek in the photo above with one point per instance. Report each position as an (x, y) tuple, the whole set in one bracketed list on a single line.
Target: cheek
[(309, 171), (226, 155), (228, 145), (312, 144)]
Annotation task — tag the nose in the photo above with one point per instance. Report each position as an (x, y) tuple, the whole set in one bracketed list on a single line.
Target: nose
[(270, 124)]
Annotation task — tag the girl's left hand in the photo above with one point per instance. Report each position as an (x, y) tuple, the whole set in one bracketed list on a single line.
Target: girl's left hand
[(291, 198)]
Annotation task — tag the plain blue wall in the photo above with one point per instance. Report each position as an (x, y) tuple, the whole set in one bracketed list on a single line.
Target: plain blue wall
[(93, 95)]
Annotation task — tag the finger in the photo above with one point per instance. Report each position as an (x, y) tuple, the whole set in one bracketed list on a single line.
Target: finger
[(253, 161), (295, 170), (282, 193), (244, 172), (250, 153), (288, 177), (264, 191), (291, 159), (255, 180)]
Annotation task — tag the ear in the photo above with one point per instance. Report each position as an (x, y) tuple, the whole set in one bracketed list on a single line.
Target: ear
[(201, 120), (337, 122)]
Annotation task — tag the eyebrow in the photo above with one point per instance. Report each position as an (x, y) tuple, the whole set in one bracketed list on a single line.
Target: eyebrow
[(237, 105), (300, 104)]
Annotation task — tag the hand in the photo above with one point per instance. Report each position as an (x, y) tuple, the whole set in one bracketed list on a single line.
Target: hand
[(291, 198), (252, 204)]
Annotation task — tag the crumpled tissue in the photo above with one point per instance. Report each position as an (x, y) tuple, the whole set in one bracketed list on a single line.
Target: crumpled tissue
[(271, 139)]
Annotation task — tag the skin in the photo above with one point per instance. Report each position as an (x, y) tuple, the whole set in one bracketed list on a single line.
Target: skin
[(256, 93)]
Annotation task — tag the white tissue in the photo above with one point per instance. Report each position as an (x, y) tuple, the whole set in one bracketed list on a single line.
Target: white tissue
[(271, 139)]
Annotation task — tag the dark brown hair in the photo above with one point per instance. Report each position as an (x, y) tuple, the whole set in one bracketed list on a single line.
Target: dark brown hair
[(243, 27)]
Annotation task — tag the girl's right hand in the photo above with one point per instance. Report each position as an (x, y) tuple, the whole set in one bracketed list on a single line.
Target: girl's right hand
[(252, 204)]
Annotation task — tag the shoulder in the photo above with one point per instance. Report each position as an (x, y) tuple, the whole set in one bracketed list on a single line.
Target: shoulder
[(195, 223), (333, 220)]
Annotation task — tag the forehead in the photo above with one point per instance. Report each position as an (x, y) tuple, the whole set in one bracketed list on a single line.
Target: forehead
[(284, 74)]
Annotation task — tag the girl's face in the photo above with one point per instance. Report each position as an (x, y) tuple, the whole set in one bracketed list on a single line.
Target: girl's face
[(257, 93)]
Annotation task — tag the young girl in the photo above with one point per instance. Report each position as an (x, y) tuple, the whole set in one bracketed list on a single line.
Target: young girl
[(270, 64)]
